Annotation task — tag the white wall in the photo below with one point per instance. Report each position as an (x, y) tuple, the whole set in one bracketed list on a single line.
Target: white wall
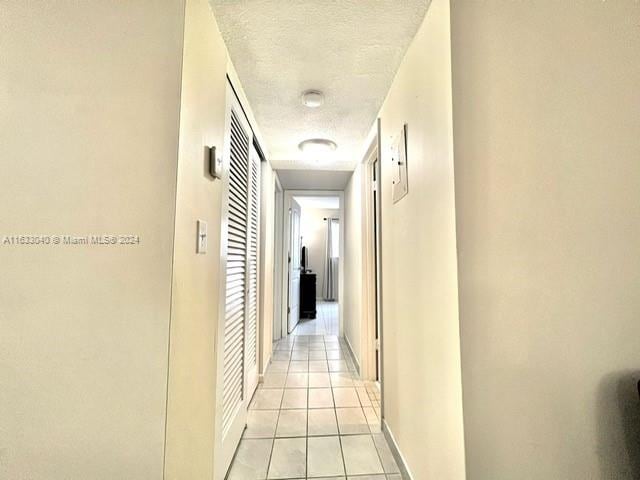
[(353, 263), (313, 229), (547, 158), (89, 106), (194, 313), (421, 372)]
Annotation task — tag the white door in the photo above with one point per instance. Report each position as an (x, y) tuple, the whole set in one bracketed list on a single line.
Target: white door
[(238, 352), (251, 338), (294, 266)]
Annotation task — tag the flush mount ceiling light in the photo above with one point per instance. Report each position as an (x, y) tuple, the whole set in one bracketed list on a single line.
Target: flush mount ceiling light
[(317, 145), (312, 98)]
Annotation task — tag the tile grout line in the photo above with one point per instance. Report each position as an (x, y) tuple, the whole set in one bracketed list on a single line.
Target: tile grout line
[(335, 410), (306, 466), (371, 435), (275, 432)]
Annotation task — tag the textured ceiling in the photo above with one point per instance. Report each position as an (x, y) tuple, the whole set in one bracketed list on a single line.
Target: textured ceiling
[(349, 49)]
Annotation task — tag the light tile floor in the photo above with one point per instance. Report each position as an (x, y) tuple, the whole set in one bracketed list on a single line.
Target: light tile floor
[(313, 417), (327, 321)]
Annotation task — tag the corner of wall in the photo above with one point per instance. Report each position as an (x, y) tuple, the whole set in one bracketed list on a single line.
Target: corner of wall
[(421, 337), (191, 390), (352, 301)]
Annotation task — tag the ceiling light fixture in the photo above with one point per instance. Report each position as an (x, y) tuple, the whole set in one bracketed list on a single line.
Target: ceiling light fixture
[(317, 145), (312, 98)]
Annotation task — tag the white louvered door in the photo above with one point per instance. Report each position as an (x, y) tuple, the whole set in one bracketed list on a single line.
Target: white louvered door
[(238, 360), (251, 347), (233, 388)]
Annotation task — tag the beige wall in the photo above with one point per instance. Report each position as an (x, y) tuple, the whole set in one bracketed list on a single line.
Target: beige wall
[(267, 261), (353, 263), (547, 157), (423, 400), (194, 314), (89, 105)]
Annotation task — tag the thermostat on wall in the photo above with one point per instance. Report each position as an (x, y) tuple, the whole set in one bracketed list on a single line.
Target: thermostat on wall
[(215, 163), (399, 165)]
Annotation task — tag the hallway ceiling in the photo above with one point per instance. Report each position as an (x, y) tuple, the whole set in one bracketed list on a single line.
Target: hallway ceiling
[(297, 179), (348, 49)]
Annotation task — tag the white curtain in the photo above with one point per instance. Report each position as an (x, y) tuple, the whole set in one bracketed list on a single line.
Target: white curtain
[(330, 282)]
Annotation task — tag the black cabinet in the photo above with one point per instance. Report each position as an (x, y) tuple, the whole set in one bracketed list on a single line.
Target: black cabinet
[(307, 295)]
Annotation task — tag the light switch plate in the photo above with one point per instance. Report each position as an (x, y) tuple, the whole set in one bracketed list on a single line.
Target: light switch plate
[(201, 245)]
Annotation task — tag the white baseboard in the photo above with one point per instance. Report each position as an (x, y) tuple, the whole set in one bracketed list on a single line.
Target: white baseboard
[(355, 359), (395, 450), (261, 375)]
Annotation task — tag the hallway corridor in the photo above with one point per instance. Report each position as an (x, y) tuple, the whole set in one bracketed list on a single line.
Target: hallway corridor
[(312, 417)]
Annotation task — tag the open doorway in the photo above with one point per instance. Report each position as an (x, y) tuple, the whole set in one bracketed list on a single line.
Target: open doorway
[(372, 265), (372, 325), (319, 263), (312, 262)]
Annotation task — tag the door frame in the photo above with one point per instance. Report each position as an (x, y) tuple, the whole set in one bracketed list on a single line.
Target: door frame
[(289, 238), (372, 270), (288, 195), (369, 272), (278, 231)]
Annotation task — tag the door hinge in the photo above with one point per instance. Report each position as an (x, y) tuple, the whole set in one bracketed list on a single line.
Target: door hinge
[(288, 309), (375, 185), (377, 343)]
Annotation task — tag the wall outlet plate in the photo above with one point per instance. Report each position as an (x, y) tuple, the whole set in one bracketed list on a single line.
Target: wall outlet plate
[(201, 242), (399, 169)]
